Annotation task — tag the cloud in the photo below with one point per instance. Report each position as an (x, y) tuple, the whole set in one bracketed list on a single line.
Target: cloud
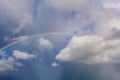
[(61, 17), (26, 22), (22, 55), (54, 64), (112, 4), (44, 43), (87, 17), (9, 64), (73, 5), (17, 14), (90, 49), (99, 18)]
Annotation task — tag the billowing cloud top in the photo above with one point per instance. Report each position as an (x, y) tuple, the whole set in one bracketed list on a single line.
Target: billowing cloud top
[(91, 49), (44, 43)]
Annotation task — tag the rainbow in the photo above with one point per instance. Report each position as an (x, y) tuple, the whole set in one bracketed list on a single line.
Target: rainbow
[(18, 40)]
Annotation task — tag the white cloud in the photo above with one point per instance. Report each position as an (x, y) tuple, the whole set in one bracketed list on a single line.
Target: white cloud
[(44, 43), (54, 64), (22, 55), (91, 49), (9, 64)]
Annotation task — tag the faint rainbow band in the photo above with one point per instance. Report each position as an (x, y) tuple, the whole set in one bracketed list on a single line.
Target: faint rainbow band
[(16, 41)]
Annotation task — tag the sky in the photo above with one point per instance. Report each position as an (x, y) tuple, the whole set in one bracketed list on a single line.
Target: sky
[(59, 40)]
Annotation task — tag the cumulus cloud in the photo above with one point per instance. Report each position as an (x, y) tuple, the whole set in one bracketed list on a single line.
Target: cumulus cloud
[(22, 55), (90, 49), (44, 43), (9, 64), (54, 64)]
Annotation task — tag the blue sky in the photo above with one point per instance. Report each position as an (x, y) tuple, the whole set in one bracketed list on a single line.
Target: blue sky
[(80, 41)]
